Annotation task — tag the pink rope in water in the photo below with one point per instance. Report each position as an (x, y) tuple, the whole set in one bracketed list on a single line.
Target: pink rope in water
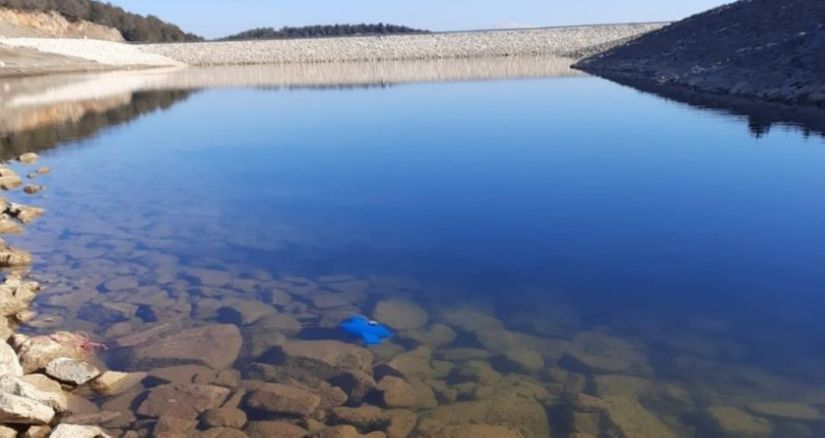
[(78, 340)]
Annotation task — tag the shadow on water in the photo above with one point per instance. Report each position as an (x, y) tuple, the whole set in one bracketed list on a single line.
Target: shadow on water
[(761, 115)]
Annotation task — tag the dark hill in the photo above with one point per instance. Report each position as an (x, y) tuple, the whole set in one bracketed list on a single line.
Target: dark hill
[(133, 27), (771, 49), (331, 30)]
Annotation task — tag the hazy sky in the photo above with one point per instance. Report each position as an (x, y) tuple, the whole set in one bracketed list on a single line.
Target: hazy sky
[(213, 18)]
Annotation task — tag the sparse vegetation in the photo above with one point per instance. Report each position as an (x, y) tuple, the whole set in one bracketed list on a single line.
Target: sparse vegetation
[(133, 27), (269, 33)]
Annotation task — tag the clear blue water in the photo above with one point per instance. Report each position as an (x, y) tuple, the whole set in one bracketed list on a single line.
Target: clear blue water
[(643, 218)]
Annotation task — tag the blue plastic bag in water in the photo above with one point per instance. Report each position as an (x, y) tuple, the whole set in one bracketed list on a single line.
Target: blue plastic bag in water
[(370, 331)]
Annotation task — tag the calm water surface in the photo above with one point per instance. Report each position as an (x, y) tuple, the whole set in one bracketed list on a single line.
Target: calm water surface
[(566, 208)]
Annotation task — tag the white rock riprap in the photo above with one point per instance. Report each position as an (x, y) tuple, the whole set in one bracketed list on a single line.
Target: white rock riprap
[(103, 52), (558, 41)]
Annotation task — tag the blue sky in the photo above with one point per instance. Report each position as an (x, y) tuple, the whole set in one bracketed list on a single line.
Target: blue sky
[(213, 18)]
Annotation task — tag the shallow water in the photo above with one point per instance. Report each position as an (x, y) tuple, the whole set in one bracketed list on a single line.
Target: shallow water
[(560, 206)]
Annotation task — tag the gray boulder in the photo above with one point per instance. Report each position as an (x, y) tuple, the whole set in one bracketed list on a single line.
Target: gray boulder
[(72, 371), (15, 409)]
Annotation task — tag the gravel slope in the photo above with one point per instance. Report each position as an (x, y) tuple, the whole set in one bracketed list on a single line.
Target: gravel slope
[(771, 49), (560, 41), (103, 52)]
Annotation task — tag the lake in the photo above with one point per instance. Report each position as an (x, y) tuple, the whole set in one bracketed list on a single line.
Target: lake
[(533, 240)]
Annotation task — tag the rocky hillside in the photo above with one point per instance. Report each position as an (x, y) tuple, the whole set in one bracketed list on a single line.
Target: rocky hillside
[(16, 23), (132, 27), (770, 49)]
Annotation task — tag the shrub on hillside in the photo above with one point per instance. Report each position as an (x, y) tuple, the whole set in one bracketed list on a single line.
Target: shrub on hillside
[(269, 33)]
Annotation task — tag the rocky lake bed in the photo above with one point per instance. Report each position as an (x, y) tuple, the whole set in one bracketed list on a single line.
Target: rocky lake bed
[(144, 297), (202, 351)]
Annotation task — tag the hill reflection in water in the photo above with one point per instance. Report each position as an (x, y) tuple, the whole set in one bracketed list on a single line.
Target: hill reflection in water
[(38, 113)]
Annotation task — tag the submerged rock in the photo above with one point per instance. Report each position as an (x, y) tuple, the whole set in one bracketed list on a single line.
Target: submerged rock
[(119, 283), (149, 335), (216, 346), (31, 189), (732, 421), (524, 415), (244, 312), (184, 374), (622, 386), (786, 410), (602, 353), (363, 417), (414, 363), (411, 393), (92, 419), (476, 431), (344, 431), (470, 320), (269, 429), (632, 419), (515, 385), (524, 360), (345, 365), (436, 336), (504, 341), (116, 382), (401, 423), (168, 424), (477, 371), (330, 300), (208, 277), (400, 314), (78, 405), (283, 399), (222, 432), (256, 343), (224, 417), (463, 354), (182, 401), (331, 396)]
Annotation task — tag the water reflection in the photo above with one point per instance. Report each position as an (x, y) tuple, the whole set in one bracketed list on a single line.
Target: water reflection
[(48, 126), (37, 113), (759, 115)]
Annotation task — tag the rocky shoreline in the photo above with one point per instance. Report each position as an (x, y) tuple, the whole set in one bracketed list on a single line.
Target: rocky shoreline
[(40, 376)]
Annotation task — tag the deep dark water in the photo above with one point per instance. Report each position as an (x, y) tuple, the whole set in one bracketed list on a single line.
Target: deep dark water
[(558, 205)]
